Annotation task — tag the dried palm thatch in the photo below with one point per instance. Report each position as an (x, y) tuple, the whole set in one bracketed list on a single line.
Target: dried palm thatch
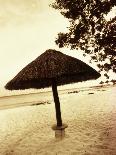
[(49, 65), (52, 68)]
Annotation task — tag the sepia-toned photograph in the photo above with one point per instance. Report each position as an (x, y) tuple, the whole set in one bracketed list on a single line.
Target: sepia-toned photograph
[(57, 77)]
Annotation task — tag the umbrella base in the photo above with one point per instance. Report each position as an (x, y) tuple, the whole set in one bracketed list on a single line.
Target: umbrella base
[(55, 127), (59, 130)]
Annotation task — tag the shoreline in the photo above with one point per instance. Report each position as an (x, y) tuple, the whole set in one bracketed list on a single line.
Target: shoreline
[(60, 90), (43, 97)]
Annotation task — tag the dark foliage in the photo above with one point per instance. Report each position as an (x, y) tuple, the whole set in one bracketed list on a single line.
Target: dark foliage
[(108, 43), (89, 28)]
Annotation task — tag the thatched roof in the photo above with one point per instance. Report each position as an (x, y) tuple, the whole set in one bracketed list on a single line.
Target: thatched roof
[(52, 64)]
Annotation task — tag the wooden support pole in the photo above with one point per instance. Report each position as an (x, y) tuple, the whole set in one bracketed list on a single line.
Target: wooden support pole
[(57, 103)]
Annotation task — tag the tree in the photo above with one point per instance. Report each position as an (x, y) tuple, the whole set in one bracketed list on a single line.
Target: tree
[(89, 30), (108, 43)]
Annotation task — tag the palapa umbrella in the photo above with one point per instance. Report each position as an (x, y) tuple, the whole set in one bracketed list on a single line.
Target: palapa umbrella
[(52, 68)]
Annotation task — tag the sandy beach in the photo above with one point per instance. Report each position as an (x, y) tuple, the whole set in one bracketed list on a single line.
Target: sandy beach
[(90, 115)]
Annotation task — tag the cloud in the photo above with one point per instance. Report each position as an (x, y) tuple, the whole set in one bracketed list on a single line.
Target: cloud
[(21, 11)]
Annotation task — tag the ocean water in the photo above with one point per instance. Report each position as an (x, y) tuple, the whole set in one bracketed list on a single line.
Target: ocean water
[(25, 99), (10, 99)]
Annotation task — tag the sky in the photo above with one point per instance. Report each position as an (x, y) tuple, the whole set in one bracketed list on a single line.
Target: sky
[(27, 29)]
